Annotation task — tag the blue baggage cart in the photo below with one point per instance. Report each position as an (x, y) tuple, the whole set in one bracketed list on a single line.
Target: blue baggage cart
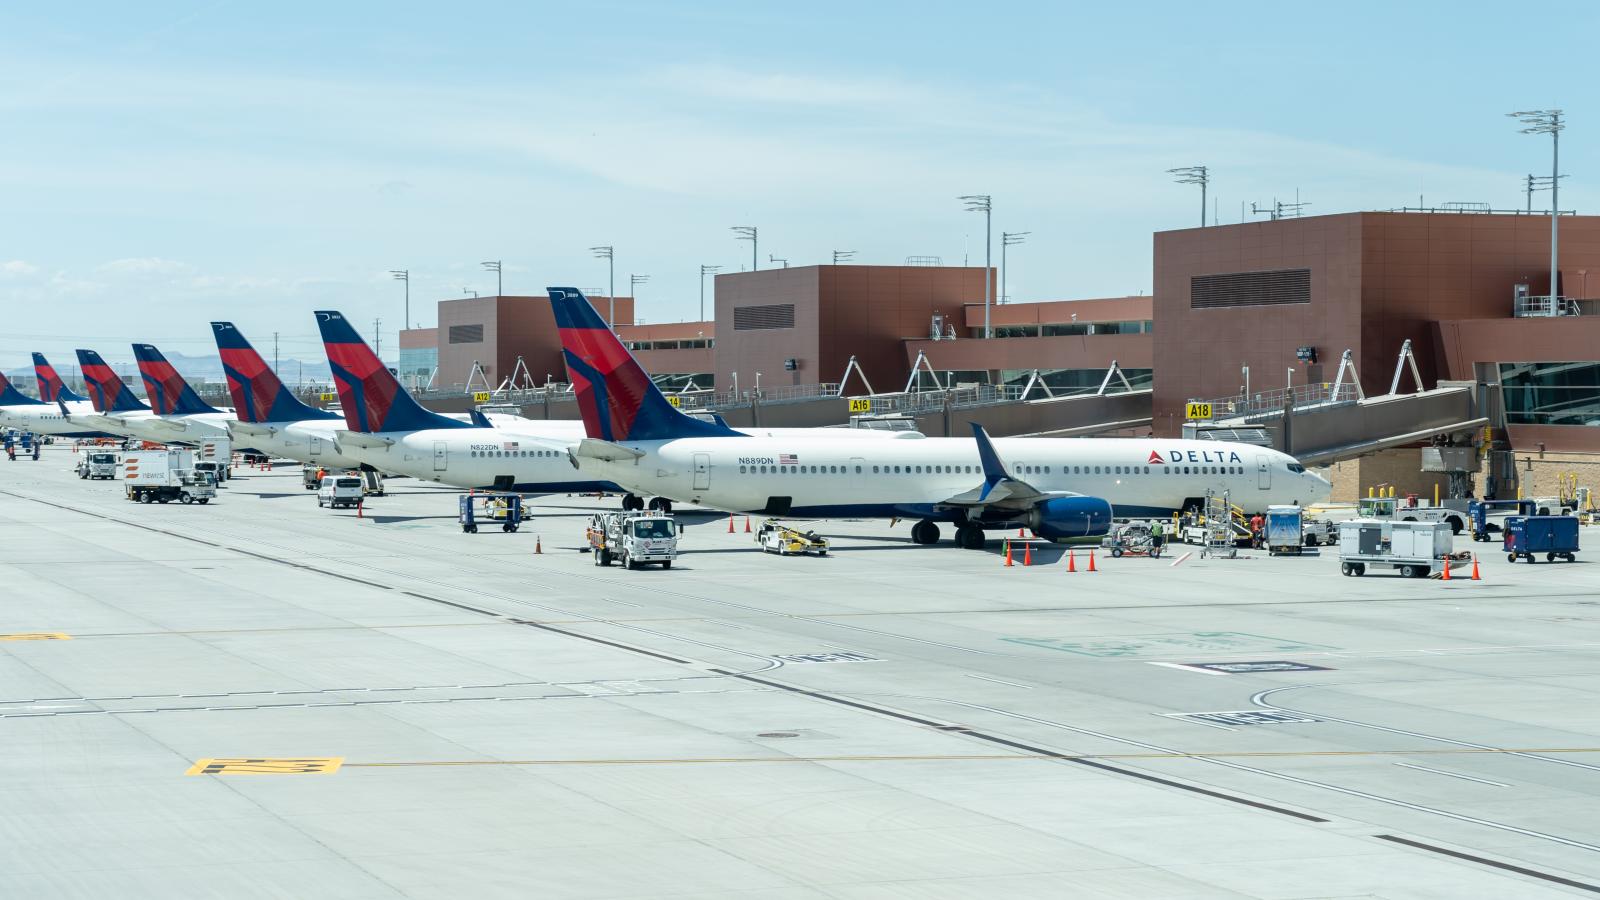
[(490, 507), (1554, 536)]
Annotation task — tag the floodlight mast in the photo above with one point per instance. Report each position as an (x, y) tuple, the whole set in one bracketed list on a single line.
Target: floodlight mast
[(704, 271), (403, 275), (984, 203), (1200, 175), (748, 233), (1551, 122), (608, 252), (1008, 239)]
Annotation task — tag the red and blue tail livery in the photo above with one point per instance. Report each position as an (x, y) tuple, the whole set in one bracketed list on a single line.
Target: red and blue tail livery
[(372, 397), (618, 400), (258, 395), (10, 396), (51, 387), (169, 393), (107, 391)]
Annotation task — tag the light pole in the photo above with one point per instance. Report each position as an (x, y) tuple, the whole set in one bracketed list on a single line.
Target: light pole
[(748, 233), (404, 275), (1008, 239), (1194, 175), (983, 203), (704, 271), (840, 256), (493, 265), (609, 254), (1549, 121), (633, 291)]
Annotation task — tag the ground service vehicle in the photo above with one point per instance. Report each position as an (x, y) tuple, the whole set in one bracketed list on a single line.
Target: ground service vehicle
[(1318, 532), (489, 508), (1487, 516), (1554, 536), (340, 490), (1285, 530), (776, 538), (1417, 549), (218, 451), (633, 538), (1408, 509), (98, 465), (161, 476)]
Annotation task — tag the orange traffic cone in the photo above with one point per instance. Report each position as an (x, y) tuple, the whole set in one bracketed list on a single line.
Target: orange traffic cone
[(538, 545), (1027, 554), (1072, 560), (1008, 553), (1475, 568), (1091, 560), (730, 523), (1446, 576), (746, 524)]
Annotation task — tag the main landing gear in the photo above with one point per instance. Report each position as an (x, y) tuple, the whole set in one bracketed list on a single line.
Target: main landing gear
[(970, 537), (633, 502), (925, 532)]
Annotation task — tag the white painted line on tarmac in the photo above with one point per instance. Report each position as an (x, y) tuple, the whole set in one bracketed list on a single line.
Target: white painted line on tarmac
[(1452, 774), (1186, 668), (1026, 687), (1180, 559)]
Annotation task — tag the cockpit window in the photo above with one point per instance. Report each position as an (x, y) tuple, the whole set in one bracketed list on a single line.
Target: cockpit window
[(1296, 467)]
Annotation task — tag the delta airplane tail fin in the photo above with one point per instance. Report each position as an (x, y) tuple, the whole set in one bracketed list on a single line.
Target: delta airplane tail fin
[(51, 387), (169, 392), (258, 395), (618, 400), (10, 396), (107, 390), (372, 397)]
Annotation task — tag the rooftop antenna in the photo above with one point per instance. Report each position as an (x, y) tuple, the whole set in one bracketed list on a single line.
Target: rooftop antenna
[(1194, 175)]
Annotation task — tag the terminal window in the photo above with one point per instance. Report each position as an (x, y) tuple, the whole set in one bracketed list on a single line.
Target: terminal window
[(1250, 289), (1551, 393)]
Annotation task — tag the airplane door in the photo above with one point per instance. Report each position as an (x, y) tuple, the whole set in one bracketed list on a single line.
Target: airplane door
[(440, 455), (702, 471), (316, 447), (1263, 473)]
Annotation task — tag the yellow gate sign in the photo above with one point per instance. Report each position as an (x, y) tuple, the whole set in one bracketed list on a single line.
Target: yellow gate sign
[(480, 396), (316, 765), (675, 400), (327, 398), (1197, 411), (861, 404)]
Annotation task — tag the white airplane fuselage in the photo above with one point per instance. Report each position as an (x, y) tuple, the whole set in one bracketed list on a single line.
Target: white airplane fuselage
[(909, 478), (47, 419), (310, 441)]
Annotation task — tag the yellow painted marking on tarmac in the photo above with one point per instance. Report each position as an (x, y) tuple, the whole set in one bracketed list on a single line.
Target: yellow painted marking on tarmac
[(314, 765), (978, 757), (36, 636)]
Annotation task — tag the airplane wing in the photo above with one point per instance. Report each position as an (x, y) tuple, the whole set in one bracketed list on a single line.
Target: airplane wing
[(999, 490)]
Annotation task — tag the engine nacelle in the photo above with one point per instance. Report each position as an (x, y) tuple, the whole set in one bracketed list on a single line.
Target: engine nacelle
[(1069, 517)]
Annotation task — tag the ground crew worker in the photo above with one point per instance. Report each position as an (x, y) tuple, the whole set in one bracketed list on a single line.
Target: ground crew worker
[(321, 474), (1256, 524), (1157, 534)]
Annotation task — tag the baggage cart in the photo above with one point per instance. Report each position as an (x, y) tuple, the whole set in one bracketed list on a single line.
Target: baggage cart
[(488, 508), (1554, 536)]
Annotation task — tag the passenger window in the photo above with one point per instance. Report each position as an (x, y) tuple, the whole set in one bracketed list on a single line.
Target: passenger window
[(858, 469), (741, 470), (874, 470)]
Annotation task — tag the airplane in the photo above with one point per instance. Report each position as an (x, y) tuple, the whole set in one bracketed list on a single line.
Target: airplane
[(388, 430), (1059, 488), (175, 402), (45, 415), (268, 417)]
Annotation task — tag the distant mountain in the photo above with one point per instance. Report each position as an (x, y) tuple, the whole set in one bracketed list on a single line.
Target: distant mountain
[(198, 369)]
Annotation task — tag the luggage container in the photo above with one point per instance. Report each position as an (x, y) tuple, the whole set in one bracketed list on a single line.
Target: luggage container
[(1417, 549), (1554, 536), (1284, 530)]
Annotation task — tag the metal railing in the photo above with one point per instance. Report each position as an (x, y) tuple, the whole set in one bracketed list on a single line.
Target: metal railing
[(1261, 402), (1546, 307)]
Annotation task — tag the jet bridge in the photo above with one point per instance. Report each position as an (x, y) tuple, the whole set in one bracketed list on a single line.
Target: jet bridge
[(1327, 423)]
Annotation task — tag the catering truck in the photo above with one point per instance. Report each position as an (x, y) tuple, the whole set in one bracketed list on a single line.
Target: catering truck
[(161, 476), (633, 538)]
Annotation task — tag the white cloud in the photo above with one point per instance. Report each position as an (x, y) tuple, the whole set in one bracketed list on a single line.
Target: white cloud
[(16, 268), (147, 266)]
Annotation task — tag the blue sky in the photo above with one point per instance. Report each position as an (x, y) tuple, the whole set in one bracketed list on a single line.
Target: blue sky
[(165, 164)]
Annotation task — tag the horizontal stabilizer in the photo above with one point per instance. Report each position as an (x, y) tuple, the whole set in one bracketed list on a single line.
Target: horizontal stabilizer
[(362, 439), (594, 448), (250, 429)]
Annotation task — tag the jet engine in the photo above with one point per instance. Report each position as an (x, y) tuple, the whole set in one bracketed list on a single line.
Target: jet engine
[(1069, 517)]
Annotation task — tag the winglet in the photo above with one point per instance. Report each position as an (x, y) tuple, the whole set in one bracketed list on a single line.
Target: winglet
[(10, 396), (51, 387), (618, 400), (169, 392), (994, 471)]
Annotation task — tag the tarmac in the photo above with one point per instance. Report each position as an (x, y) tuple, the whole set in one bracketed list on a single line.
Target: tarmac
[(260, 698)]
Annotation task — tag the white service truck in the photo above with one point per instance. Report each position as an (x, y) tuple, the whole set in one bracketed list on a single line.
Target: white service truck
[(161, 476), (98, 465), (216, 456), (637, 538)]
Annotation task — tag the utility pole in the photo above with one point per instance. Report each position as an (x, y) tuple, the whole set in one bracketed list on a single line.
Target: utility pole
[(609, 254), (1194, 175), (1008, 239), (748, 233), (275, 353), (984, 203), (1549, 121), (405, 276), (704, 271), (377, 339)]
